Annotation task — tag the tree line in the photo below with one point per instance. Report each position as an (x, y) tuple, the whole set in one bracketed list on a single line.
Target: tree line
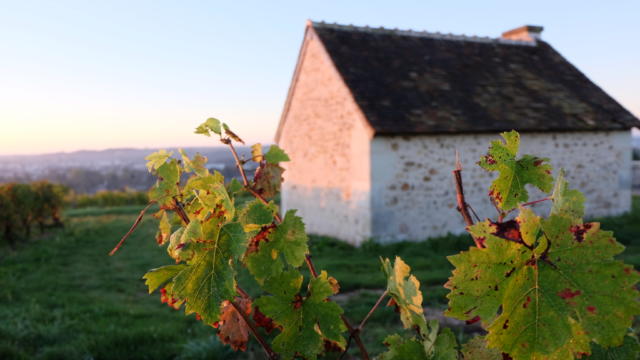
[(23, 206)]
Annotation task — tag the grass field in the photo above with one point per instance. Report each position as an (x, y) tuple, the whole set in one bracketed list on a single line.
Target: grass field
[(64, 298)]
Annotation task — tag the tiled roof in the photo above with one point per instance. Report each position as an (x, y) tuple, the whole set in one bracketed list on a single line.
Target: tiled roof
[(411, 82)]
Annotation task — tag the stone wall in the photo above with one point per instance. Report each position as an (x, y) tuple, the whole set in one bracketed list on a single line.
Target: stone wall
[(413, 196), (328, 139), (635, 177)]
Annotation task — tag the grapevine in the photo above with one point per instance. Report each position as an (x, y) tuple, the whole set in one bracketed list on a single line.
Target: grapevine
[(541, 286)]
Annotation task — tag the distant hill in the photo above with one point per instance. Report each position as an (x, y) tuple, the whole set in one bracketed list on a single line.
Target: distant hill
[(89, 171)]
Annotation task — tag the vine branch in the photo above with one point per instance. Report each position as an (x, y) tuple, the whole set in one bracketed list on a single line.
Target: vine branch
[(353, 332), (363, 322), (254, 331), (243, 175), (133, 227), (463, 207)]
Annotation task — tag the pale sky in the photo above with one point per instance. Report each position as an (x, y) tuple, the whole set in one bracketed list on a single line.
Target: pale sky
[(94, 75)]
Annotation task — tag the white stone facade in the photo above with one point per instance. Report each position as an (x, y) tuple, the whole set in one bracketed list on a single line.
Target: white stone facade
[(413, 194), (352, 185), (328, 140)]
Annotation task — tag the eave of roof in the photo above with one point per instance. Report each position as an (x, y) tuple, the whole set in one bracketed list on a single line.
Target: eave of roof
[(416, 82)]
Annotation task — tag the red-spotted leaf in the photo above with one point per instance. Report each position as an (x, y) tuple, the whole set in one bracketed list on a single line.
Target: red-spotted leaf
[(536, 300), (307, 319), (508, 189)]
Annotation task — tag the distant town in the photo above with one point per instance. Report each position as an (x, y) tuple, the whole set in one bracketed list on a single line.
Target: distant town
[(112, 169)]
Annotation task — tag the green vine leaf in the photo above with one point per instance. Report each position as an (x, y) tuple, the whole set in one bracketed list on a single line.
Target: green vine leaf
[(508, 189), (401, 348), (210, 125), (442, 347), (476, 349), (155, 278), (276, 155), (567, 286), (288, 241), (305, 321), (208, 277), (167, 185), (629, 350), (255, 215)]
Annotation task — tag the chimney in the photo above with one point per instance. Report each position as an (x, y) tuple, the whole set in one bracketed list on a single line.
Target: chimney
[(524, 33)]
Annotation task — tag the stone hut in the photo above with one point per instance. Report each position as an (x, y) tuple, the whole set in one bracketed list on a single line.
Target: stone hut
[(374, 116)]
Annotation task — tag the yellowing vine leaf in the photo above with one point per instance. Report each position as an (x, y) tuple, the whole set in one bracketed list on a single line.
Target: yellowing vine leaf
[(157, 159), (404, 288), (196, 165), (508, 189), (567, 202), (164, 228)]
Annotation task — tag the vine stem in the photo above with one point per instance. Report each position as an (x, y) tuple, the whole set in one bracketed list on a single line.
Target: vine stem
[(535, 201), (364, 321), (312, 269), (133, 227), (245, 180), (353, 332), (463, 207), (254, 331), (375, 306)]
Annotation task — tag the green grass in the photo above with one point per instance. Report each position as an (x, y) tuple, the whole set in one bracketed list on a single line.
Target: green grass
[(63, 297)]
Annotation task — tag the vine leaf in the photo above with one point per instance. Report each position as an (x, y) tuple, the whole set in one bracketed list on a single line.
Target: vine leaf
[(432, 343), (232, 328), (401, 348), (404, 288), (276, 155), (180, 242), (476, 349), (567, 286), (267, 179), (231, 134), (305, 321), (198, 165), (210, 125), (288, 242), (255, 215), (155, 278), (208, 277), (256, 152), (167, 185), (566, 202), (164, 229), (629, 350), (444, 347), (508, 189), (157, 159)]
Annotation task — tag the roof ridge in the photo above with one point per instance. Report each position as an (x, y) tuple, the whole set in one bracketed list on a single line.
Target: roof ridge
[(419, 33)]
